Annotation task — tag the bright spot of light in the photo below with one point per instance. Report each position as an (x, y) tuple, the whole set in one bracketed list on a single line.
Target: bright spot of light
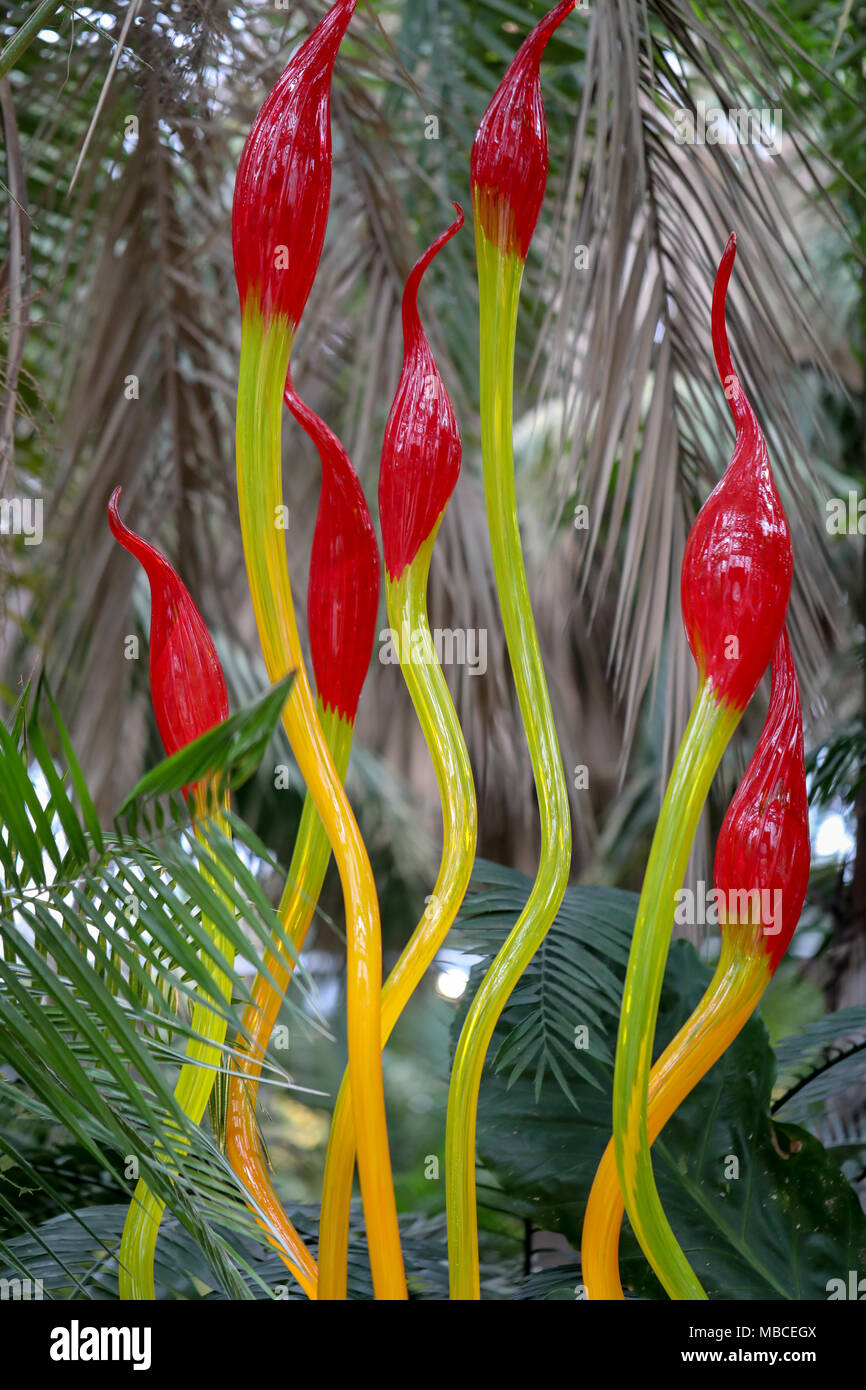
[(833, 840), (452, 982)]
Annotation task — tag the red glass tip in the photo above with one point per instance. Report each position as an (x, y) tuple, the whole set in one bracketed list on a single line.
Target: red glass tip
[(737, 566), (510, 155), (763, 847), (421, 452), (187, 685), (283, 186), (343, 594)]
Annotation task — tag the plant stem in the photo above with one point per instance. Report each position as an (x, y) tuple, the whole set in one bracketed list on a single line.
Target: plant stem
[(21, 40), (730, 999), (407, 612), (499, 285), (310, 860), (706, 737), (264, 363), (193, 1090)]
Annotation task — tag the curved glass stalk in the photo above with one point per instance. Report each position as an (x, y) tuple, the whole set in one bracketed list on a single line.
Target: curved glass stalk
[(728, 1002), (342, 608), (510, 160), (761, 876), (280, 211), (407, 613), (306, 876), (735, 585), (188, 692), (499, 283), (265, 347), (420, 466), (707, 735)]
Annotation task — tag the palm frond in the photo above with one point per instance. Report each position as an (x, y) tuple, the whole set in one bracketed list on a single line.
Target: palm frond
[(821, 1063), (566, 1003), (105, 943)]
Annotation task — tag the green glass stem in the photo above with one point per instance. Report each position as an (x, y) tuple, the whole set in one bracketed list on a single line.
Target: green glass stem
[(707, 735), (499, 285)]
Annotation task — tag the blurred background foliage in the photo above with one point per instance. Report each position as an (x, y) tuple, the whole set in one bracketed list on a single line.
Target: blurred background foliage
[(122, 125)]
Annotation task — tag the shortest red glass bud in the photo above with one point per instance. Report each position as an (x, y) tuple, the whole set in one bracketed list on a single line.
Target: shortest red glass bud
[(187, 685), (283, 185), (763, 850), (422, 451), (737, 566), (510, 155), (343, 593)]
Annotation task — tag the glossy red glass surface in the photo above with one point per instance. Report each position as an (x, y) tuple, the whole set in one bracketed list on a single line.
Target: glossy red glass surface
[(764, 843), (187, 685), (422, 451), (283, 186), (343, 593), (737, 566), (510, 152)]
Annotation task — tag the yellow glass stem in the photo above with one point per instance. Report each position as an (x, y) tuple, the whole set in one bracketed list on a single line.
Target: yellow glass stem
[(499, 278), (310, 860), (740, 978), (192, 1092), (707, 735), (265, 351), (407, 615)]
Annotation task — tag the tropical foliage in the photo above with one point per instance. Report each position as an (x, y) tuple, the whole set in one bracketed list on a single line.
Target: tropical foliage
[(123, 124)]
